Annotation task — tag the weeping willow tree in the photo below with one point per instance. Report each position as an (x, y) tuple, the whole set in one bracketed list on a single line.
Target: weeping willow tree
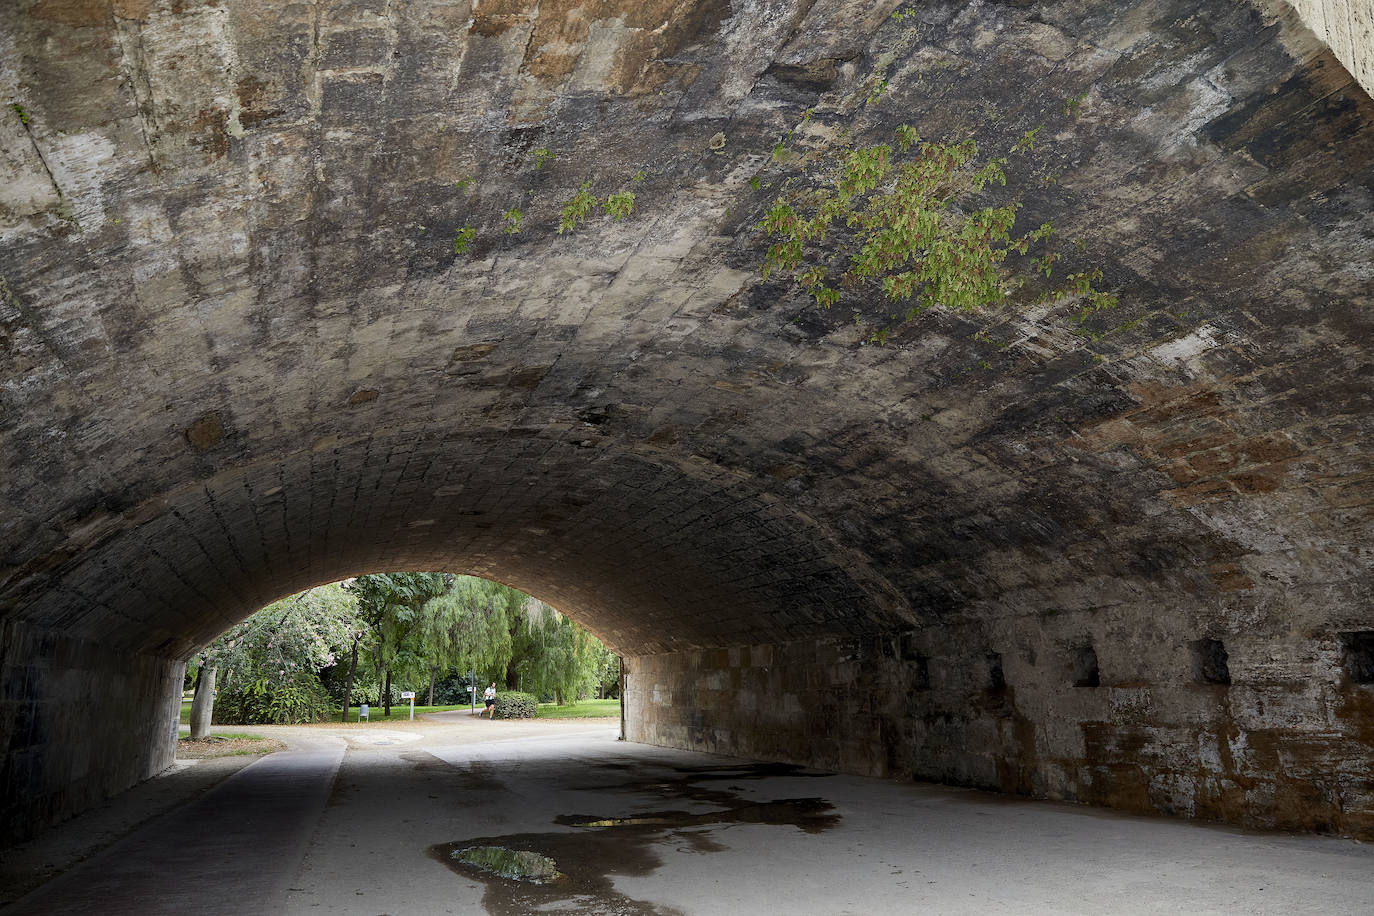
[(555, 656), (408, 629), (468, 628)]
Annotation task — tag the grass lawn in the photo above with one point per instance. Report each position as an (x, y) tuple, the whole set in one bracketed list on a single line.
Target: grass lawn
[(400, 712), (585, 709), (374, 713)]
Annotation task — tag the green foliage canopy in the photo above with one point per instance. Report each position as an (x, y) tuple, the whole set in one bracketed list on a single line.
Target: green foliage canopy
[(412, 628), (268, 663)]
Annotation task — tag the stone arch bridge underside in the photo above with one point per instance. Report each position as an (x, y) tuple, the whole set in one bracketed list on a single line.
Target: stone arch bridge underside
[(239, 356)]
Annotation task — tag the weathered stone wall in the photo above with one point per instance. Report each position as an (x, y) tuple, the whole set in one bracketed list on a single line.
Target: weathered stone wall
[(240, 355), (1348, 27), (1286, 744), (79, 722)]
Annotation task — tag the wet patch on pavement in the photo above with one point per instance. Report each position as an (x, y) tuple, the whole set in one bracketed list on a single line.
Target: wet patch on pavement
[(476, 776), (686, 783), (586, 858), (810, 815)]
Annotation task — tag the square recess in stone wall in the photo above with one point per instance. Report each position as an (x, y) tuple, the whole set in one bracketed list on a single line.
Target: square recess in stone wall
[(997, 680), (1359, 655), (1083, 667), (1209, 662)]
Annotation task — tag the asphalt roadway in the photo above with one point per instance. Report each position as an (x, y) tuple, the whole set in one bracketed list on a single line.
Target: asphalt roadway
[(368, 819)]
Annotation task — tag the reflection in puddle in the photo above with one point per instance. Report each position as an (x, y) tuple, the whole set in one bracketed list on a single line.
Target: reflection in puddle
[(517, 864), (600, 847)]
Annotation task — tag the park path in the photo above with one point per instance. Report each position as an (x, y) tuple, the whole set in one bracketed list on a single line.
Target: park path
[(233, 850)]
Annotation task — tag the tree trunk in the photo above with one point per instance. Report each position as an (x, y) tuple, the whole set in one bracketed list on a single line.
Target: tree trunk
[(348, 684), (386, 703), (431, 689), (203, 705)]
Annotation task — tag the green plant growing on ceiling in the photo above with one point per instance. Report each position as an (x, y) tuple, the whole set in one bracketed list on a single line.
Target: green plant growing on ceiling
[(907, 222), (619, 205), (462, 240), (576, 209)]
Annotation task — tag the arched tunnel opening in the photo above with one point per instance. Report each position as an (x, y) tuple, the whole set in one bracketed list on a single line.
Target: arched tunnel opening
[(293, 293)]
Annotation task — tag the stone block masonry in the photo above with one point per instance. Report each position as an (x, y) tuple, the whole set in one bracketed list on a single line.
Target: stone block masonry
[(1284, 746), (1347, 26), (79, 721)]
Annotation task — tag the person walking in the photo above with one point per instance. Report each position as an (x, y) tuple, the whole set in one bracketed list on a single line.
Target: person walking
[(489, 696)]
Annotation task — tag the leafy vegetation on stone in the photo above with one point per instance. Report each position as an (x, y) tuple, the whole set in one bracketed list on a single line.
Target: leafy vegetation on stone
[(619, 205), (462, 240), (513, 218), (906, 223), (576, 209)]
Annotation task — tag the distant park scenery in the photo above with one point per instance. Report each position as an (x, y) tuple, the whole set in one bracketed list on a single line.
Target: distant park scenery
[(443, 637)]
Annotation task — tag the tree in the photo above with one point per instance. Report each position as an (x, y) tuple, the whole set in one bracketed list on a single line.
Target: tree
[(391, 608), (408, 626), (203, 703), (607, 672), (467, 628), (557, 656), (268, 664), (355, 636)]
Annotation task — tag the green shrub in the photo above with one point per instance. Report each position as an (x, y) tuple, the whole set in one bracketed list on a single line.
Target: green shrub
[(516, 705), (261, 703)]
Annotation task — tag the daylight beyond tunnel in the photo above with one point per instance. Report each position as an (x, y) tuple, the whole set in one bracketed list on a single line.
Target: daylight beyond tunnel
[(294, 294)]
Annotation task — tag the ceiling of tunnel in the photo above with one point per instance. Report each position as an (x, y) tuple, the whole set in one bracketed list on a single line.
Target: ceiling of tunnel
[(241, 357), (651, 556)]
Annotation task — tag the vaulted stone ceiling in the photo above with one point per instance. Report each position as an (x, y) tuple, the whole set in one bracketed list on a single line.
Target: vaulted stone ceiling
[(241, 357)]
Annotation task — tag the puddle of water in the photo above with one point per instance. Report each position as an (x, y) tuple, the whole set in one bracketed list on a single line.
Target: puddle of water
[(810, 815), (600, 847), (586, 861), (516, 864)]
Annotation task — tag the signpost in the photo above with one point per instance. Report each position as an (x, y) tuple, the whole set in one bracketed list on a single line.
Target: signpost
[(410, 695)]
